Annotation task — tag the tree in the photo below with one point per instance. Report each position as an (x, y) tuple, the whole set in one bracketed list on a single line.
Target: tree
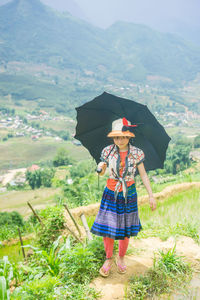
[(61, 158), (82, 169), (47, 176), (197, 141), (177, 159), (64, 135), (34, 178), (40, 177)]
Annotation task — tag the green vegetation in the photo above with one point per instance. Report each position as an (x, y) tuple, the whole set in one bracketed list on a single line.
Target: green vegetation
[(197, 141), (178, 215), (9, 224), (169, 271), (45, 69), (64, 271), (13, 249), (53, 220), (6, 274), (12, 218), (60, 266), (40, 177), (22, 152), (83, 191), (62, 158)]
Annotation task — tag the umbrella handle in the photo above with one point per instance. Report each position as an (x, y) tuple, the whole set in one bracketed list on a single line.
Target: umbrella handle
[(98, 181)]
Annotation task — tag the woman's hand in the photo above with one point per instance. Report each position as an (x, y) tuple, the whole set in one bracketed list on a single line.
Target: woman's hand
[(152, 203), (146, 182), (103, 166)]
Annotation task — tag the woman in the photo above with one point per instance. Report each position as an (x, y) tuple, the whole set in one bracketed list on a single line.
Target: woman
[(118, 217)]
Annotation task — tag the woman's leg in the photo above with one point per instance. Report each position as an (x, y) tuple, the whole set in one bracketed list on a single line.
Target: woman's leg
[(108, 245), (123, 246)]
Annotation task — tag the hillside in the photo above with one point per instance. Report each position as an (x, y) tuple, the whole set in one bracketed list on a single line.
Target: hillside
[(71, 268), (32, 32)]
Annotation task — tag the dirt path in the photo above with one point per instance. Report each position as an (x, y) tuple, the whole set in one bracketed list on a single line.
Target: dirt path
[(113, 287), (6, 178)]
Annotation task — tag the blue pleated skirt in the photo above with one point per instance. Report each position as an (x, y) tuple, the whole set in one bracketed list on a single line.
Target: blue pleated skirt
[(117, 219)]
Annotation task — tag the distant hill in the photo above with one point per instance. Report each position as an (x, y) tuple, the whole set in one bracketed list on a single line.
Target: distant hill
[(153, 53), (31, 32)]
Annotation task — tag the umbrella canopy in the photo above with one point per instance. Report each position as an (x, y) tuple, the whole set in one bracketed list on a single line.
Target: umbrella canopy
[(94, 122)]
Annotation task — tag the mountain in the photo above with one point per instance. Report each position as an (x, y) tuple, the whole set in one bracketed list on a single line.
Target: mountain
[(53, 57), (174, 16), (32, 32), (70, 5), (153, 53)]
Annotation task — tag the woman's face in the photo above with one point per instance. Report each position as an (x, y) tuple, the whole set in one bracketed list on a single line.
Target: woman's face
[(121, 142)]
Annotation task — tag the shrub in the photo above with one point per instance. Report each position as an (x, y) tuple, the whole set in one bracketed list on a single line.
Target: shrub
[(82, 169), (11, 218), (47, 176), (53, 220), (61, 158), (42, 288)]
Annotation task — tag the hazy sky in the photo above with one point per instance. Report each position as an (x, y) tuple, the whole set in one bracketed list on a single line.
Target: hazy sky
[(151, 12), (140, 11)]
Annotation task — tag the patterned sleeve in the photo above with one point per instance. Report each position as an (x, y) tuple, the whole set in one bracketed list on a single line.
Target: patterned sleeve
[(140, 157), (105, 154)]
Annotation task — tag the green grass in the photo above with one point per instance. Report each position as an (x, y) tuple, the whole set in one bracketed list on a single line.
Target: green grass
[(22, 152), (14, 251), (169, 271), (177, 215), (59, 125), (170, 181), (17, 200)]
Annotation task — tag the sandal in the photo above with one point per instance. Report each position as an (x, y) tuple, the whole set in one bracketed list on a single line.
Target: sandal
[(120, 269), (105, 271)]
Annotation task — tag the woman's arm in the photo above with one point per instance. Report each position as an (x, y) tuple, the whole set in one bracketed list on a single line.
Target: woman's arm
[(146, 182)]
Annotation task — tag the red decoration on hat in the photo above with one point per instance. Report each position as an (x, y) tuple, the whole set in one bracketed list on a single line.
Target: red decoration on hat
[(125, 123)]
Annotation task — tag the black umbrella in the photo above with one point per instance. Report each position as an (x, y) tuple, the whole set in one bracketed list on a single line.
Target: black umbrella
[(94, 122)]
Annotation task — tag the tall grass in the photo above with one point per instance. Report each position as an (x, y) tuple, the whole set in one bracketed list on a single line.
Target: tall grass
[(177, 215), (169, 271), (167, 180)]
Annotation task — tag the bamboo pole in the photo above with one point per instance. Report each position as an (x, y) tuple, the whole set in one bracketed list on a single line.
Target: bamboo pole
[(75, 223), (21, 242), (87, 229), (74, 235), (35, 214)]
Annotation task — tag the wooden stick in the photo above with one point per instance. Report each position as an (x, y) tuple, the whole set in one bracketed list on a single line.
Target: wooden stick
[(75, 223), (73, 234), (87, 229), (21, 242), (35, 214)]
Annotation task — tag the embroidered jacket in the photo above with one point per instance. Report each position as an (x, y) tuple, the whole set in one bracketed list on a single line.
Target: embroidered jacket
[(111, 156)]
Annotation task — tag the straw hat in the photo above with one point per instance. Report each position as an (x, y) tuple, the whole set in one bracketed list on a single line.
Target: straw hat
[(121, 127)]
